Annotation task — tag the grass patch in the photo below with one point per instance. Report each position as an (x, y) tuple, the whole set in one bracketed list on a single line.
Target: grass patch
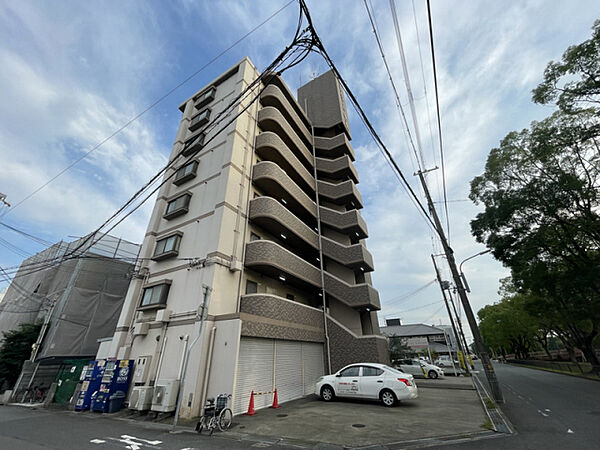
[(487, 425), (489, 403), (588, 376)]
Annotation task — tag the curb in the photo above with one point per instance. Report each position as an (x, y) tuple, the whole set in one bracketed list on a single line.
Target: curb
[(500, 423)]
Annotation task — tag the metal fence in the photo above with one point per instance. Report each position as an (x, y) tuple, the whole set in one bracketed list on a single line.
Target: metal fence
[(555, 365)]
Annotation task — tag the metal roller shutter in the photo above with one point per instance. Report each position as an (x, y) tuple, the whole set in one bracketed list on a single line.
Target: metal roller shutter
[(254, 372), (288, 370), (312, 359)]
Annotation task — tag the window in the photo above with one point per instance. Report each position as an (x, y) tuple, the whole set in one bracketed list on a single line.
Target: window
[(289, 296), (206, 97), (167, 247), (371, 371), (155, 295), (199, 119), (251, 287), (350, 372), (254, 237), (193, 145), (185, 173), (178, 206)]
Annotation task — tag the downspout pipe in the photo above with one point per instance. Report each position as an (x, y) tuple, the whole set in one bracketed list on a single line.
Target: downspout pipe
[(207, 290)]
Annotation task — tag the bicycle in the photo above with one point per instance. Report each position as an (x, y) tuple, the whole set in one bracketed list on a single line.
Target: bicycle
[(215, 415)]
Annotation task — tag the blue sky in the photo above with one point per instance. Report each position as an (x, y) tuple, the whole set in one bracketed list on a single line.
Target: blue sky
[(73, 72)]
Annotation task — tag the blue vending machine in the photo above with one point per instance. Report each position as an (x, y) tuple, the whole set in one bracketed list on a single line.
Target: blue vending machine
[(113, 387), (91, 379)]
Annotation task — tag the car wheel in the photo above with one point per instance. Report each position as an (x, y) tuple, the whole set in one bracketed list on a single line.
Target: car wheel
[(327, 393), (432, 374), (387, 397)]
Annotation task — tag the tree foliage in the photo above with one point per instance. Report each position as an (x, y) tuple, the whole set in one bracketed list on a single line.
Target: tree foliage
[(399, 349), (541, 194), (16, 348), (574, 82)]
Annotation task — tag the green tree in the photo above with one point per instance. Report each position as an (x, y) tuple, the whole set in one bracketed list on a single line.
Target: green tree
[(399, 349), (574, 82), (540, 190), (16, 348)]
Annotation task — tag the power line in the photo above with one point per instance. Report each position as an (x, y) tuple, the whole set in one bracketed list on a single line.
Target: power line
[(411, 100), (387, 68), (439, 120), (405, 297), (27, 235), (321, 49), (155, 103)]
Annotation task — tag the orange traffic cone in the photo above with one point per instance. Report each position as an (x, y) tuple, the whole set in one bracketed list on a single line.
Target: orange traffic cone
[(251, 411), (275, 404)]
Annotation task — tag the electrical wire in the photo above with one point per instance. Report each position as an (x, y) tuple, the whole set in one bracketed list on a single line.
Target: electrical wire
[(439, 120), (151, 106), (411, 100), (405, 297), (323, 52), (27, 235)]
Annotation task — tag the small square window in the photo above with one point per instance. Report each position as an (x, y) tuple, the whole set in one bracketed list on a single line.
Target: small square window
[(167, 247), (199, 120), (178, 206), (205, 98), (251, 287), (254, 237), (155, 295), (185, 173), (193, 145)]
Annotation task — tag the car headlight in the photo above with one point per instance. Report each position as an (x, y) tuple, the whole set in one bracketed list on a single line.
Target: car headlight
[(319, 379)]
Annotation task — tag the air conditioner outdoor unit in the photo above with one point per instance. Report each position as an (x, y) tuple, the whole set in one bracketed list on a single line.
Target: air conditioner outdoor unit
[(141, 398), (163, 315), (165, 395)]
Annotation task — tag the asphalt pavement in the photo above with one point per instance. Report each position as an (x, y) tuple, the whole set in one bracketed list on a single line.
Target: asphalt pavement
[(547, 410), (27, 429)]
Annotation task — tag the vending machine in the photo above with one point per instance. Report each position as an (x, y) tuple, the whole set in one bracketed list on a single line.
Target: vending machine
[(113, 387), (91, 377)]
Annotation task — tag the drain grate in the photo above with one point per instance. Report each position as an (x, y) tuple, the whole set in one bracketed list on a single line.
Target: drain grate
[(358, 425)]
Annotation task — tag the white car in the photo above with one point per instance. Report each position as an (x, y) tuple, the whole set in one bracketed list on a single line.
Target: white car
[(368, 381), (419, 368)]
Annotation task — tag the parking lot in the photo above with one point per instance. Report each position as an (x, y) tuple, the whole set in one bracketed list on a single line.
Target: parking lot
[(361, 423)]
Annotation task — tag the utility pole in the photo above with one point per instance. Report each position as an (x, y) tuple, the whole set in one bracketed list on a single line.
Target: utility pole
[(460, 329), (483, 354), (461, 359)]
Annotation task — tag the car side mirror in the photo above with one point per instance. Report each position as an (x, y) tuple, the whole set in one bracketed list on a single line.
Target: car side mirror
[(338, 374)]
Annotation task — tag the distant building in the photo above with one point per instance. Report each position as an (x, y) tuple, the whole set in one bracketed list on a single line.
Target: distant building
[(78, 299), (422, 338)]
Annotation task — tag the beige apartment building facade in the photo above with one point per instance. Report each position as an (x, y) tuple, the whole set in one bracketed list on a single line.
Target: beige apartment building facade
[(261, 224)]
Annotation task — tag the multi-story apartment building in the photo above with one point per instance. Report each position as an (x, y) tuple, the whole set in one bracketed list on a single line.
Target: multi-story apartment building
[(269, 212)]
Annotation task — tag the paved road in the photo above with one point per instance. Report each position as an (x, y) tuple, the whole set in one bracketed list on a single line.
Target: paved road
[(548, 410), (25, 429)]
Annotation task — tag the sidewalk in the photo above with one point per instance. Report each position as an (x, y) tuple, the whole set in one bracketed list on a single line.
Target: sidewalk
[(461, 383)]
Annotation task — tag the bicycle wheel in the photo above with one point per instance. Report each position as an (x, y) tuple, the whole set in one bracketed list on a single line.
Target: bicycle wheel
[(225, 419), (201, 424)]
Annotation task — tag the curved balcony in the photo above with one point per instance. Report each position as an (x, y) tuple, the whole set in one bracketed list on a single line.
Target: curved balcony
[(271, 119), (270, 147), (354, 256), (341, 167), (273, 96), (354, 295), (334, 147), (348, 221), (275, 261), (341, 194), (276, 80), (271, 178), (271, 215)]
